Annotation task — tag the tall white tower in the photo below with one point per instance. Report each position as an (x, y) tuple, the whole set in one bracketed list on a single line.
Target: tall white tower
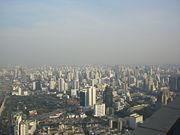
[(91, 93)]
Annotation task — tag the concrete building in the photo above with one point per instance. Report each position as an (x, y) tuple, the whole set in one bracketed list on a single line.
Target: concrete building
[(17, 121), (88, 96), (91, 93), (116, 124), (83, 97), (163, 122), (23, 126), (134, 119), (32, 127), (108, 96), (73, 92), (61, 84), (52, 84), (165, 96), (36, 85), (99, 110), (75, 84)]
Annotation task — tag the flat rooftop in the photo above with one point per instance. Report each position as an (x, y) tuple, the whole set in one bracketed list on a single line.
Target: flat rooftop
[(162, 122)]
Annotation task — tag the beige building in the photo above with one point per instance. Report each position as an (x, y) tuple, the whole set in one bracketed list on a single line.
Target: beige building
[(99, 110), (134, 119)]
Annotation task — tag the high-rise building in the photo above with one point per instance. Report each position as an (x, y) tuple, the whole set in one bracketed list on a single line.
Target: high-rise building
[(62, 85), (60, 74), (97, 75), (19, 91), (119, 124), (99, 110), (65, 87), (36, 85), (52, 84), (151, 71), (87, 74), (165, 96), (88, 96), (108, 96), (70, 76), (91, 93), (24, 127), (75, 84), (76, 76), (151, 86), (83, 97), (18, 119), (59, 85)]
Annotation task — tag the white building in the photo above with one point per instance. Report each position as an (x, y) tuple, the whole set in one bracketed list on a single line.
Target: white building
[(17, 92), (52, 84), (73, 93), (34, 85), (134, 120), (18, 119), (91, 93), (23, 127), (99, 110)]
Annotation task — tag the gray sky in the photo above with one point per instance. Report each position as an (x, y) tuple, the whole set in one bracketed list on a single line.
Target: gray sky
[(90, 32)]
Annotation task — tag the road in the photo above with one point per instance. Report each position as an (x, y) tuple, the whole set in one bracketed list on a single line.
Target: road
[(1, 111), (3, 105)]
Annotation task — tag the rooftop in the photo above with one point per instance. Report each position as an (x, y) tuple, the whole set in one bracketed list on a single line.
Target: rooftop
[(164, 121)]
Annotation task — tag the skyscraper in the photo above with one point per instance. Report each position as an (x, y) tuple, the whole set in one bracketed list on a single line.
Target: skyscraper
[(88, 96), (62, 84), (108, 96), (83, 97), (91, 93)]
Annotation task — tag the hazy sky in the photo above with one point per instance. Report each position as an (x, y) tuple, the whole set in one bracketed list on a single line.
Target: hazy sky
[(89, 31)]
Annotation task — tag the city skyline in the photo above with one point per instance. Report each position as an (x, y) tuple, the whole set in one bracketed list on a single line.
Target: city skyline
[(89, 32)]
